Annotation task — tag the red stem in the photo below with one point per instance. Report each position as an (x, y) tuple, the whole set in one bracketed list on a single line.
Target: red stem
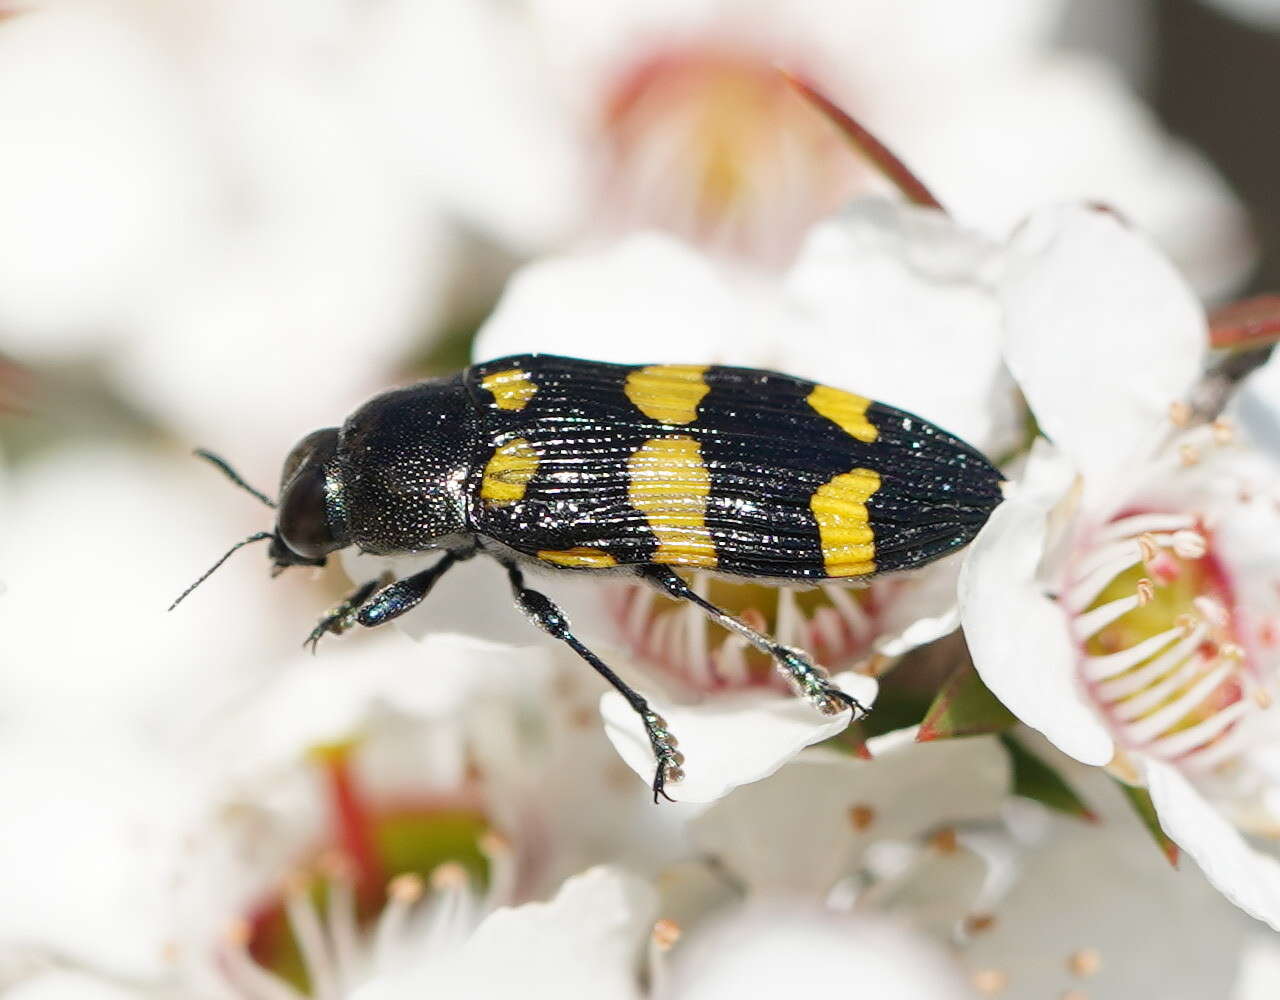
[(880, 155)]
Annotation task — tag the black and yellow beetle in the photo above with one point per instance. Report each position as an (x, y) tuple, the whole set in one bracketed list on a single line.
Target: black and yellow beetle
[(587, 467)]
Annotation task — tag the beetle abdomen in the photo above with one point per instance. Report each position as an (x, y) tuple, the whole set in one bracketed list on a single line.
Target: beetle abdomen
[(753, 473)]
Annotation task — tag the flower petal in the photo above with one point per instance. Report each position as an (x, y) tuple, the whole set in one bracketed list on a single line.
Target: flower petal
[(903, 313), (731, 739), (798, 831), (1019, 638), (1247, 877), (1096, 900), (650, 298), (582, 943), (1094, 313), (778, 948)]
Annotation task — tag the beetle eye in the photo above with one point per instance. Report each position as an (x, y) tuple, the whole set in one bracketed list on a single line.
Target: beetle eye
[(304, 520)]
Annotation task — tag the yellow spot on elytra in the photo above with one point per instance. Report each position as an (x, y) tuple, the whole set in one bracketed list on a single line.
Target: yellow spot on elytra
[(511, 389), (508, 472), (582, 557), (668, 482), (840, 508), (669, 393), (847, 410)]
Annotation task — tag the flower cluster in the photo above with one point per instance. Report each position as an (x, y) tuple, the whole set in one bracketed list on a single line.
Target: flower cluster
[(226, 223)]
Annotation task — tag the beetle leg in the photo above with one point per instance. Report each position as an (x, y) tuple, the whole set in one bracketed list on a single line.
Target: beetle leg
[(543, 612), (808, 678), (338, 619), (404, 595)]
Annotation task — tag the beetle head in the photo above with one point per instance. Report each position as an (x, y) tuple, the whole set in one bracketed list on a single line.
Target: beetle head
[(310, 518)]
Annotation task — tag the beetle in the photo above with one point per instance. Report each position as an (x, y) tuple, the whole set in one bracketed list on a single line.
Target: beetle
[(577, 466)]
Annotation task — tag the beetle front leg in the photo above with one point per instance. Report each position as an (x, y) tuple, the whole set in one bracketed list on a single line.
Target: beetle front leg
[(543, 612), (404, 595), (340, 618), (807, 677)]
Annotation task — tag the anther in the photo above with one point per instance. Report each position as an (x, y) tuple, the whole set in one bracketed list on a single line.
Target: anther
[(1146, 591), (1188, 454), (1187, 622), (407, 887), (1189, 544), (1262, 698), (1147, 546), (990, 982), (977, 923), (1231, 651), (1085, 962), (944, 841), (1180, 413), (449, 875), (1224, 431), (665, 934), (238, 934), (861, 816)]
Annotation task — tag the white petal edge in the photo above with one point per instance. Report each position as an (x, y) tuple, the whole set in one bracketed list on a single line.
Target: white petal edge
[(1018, 637), (649, 298), (583, 942), (792, 833), (1247, 877), (731, 739), (1102, 335)]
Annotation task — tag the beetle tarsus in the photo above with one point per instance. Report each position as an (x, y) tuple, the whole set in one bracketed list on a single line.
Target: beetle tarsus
[(544, 613), (338, 619), (808, 679)]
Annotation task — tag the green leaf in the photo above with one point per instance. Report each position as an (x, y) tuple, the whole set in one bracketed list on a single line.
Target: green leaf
[(1140, 799), (964, 707), (1034, 779)]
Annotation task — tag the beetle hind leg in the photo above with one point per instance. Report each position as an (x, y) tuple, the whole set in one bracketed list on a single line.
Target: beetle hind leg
[(809, 679), (543, 612)]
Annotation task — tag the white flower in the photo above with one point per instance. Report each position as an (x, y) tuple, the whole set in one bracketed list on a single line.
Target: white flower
[(252, 209), (1122, 599), (686, 125)]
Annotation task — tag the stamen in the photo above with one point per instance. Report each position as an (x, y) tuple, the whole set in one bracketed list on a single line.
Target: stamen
[(1188, 454), (1180, 413), (1162, 719), (1186, 740), (452, 917), (1136, 524), (1098, 668), (503, 871), (663, 938), (309, 933), (1146, 700), (344, 936), (1092, 622), (1224, 431), (403, 892), (1146, 591), (1119, 687), (255, 981)]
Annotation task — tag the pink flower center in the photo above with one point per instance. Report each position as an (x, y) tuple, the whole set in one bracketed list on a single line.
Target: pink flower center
[(835, 624), (1163, 655), (714, 145)]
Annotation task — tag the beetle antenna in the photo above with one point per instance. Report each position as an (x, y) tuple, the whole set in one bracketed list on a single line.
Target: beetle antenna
[(260, 536), (231, 474)]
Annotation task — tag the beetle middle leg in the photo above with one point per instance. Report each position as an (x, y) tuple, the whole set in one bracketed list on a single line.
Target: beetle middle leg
[(808, 678), (543, 612)]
